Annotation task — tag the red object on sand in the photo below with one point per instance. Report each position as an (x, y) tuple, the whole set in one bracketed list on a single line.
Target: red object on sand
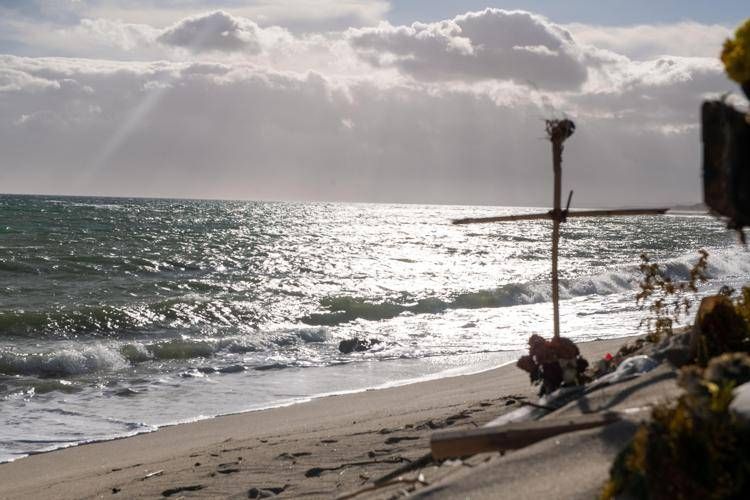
[(608, 357)]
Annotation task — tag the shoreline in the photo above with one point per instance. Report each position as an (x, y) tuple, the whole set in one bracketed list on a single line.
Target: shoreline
[(148, 464), (447, 372)]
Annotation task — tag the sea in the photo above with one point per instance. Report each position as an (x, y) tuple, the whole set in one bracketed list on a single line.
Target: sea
[(119, 316)]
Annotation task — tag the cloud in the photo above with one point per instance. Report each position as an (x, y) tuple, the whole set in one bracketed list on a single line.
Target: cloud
[(214, 31), (12, 80), (296, 15), (648, 41), (217, 35), (666, 91), (220, 105), (238, 130), (96, 38), (316, 15), (491, 44)]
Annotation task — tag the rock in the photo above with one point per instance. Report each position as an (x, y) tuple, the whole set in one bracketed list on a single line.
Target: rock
[(740, 405), (637, 364), (718, 329), (349, 346), (126, 392), (629, 368), (676, 349), (733, 367)]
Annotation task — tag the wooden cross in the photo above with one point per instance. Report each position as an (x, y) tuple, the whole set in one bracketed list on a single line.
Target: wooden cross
[(558, 131)]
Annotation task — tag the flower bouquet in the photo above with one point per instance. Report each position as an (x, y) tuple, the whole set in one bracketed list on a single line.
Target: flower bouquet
[(553, 363)]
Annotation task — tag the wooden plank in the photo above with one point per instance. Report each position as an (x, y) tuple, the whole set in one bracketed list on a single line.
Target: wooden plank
[(454, 444), (548, 215)]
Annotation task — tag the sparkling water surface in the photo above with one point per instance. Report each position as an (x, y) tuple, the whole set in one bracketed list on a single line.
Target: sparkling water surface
[(121, 315)]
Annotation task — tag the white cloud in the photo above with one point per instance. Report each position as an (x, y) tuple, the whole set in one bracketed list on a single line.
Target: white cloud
[(305, 15), (214, 31), (220, 105), (123, 36), (667, 90), (242, 131), (316, 15), (491, 44), (217, 36), (688, 39), (13, 80)]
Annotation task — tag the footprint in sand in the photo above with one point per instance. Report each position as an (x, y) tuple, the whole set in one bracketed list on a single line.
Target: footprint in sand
[(398, 439), (227, 471), (226, 468), (293, 456), (180, 489), (378, 452), (430, 424), (265, 492)]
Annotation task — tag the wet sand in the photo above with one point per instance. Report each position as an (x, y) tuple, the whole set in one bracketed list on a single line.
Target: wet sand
[(324, 448)]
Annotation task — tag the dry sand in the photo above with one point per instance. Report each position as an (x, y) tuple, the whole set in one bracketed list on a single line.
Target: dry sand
[(319, 449)]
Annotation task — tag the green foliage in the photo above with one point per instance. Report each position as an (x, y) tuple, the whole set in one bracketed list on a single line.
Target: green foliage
[(736, 54), (695, 448), (720, 326), (666, 300)]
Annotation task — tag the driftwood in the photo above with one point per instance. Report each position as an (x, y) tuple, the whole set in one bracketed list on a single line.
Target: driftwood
[(454, 444)]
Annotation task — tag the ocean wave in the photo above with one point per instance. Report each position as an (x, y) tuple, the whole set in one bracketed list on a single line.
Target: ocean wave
[(83, 264), (11, 266), (82, 320), (62, 363), (344, 309), (102, 357), (21, 387), (113, 320)]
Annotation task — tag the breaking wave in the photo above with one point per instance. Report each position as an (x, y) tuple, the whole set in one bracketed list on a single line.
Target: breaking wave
[(62, 363), (107, 358), (344, 309)]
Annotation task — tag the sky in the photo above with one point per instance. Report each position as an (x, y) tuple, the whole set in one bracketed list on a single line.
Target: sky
[(424, 101)]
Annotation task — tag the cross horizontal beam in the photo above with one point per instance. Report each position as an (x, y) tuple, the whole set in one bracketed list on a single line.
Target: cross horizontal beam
[(565, 214)]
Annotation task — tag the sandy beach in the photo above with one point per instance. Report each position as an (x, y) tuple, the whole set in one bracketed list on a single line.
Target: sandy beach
[(374, 249), (320, 449)]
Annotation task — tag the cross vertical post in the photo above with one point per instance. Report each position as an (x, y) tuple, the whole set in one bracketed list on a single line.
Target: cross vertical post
[(557, 168), (557, 131)]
